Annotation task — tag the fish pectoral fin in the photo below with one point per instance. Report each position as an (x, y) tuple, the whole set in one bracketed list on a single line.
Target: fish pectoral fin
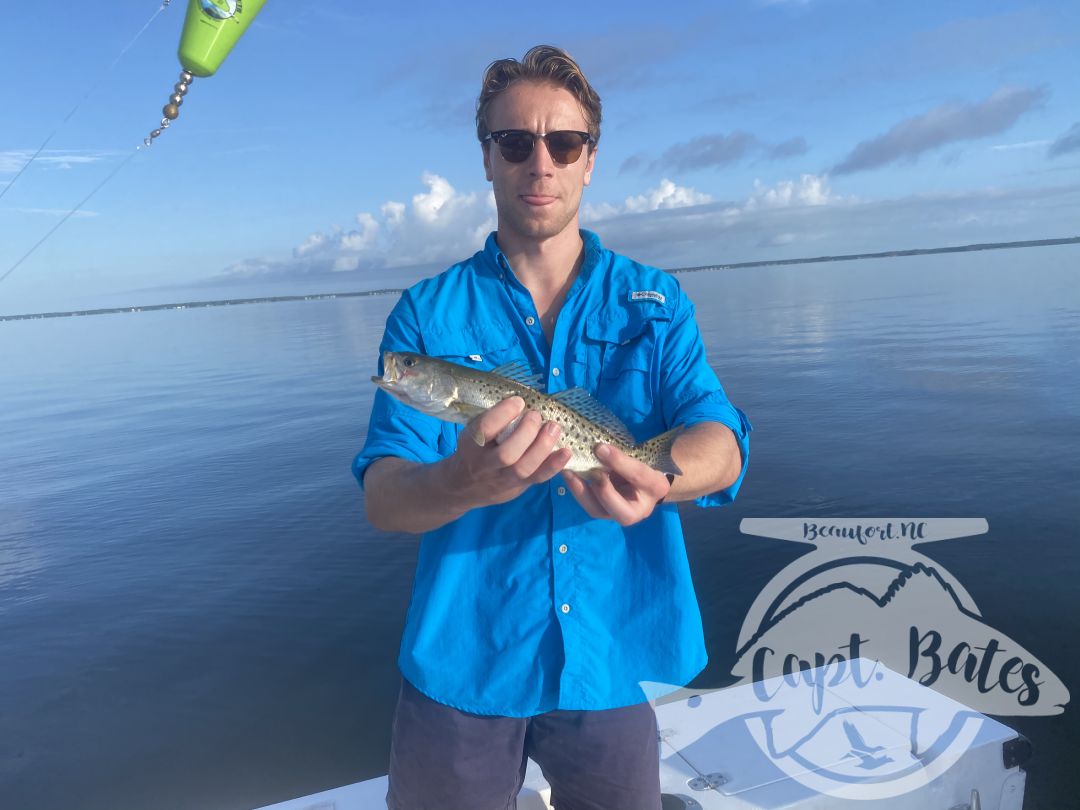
[(466, 410), (506, 431)]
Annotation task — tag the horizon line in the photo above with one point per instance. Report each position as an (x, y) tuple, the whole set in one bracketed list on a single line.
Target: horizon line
[(275, 299)]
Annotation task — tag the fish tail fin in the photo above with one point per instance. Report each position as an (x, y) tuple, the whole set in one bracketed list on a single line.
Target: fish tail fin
[(657, 451)]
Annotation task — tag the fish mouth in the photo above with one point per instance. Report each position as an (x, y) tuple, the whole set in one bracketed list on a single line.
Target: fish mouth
[(390, 376)]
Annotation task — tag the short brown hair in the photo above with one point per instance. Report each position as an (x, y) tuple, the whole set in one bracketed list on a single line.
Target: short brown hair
[(543, 63)]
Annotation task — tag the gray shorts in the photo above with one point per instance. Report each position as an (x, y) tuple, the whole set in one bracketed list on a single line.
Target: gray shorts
[(445, 759)]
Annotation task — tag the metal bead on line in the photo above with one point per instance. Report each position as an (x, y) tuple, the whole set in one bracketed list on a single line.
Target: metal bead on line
[(171, 111)]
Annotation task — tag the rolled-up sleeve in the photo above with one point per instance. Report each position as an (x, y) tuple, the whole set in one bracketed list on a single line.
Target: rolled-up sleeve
[(691, 392), (396, 429)]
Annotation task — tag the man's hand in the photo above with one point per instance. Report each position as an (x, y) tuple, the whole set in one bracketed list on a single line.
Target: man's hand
[(627, 492), (489, 467)]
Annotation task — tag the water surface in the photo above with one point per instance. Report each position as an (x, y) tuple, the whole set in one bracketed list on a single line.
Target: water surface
[(194, 613)]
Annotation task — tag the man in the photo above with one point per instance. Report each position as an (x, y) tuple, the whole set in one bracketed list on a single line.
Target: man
[(534, 615)]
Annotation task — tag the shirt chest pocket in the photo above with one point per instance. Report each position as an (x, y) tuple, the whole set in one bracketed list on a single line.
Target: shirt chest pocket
[(622, 357), (481, 349)]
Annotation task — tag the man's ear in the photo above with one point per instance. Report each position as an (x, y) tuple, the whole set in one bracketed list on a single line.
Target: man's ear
[(589, 165), (487, 161)]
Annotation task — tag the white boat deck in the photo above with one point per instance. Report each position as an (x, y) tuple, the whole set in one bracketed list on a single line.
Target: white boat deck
[(889, 744)]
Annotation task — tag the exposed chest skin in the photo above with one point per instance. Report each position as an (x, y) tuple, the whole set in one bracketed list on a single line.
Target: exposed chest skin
[(549, 299)]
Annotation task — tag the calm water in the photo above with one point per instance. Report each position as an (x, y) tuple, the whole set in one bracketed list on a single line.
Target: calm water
[(194, 614)]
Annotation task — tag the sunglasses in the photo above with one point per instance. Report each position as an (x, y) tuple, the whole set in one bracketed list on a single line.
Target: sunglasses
[(564, 146)]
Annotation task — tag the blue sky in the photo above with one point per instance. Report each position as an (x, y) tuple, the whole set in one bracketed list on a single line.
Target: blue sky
[(335, 148)]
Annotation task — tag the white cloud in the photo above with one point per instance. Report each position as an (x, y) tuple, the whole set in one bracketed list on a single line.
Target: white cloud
[(809, 189), (666, 195), (15, 159), (722, 232), (440, 225), (1007, 147), (393, 212), (677, 226)]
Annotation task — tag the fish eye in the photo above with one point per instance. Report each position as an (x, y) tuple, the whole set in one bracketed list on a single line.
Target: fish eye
[(409, 362)]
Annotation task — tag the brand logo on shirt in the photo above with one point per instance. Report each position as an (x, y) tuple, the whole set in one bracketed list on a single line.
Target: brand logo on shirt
[(835, 648), (647, 295)]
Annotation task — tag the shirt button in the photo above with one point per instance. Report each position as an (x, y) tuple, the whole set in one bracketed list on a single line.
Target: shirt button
[(565, 608), (530, 320), (562, 548), (554, 372), (561, 490)]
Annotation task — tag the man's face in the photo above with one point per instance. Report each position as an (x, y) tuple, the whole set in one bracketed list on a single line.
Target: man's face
[(539, 198)]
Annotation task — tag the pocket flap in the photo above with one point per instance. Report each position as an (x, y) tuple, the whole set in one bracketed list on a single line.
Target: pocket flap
[(624, 324), (481, 347), (620, 332)]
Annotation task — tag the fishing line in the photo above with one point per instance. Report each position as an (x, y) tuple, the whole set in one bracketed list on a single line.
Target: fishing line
[(71, 213), (90, 92)]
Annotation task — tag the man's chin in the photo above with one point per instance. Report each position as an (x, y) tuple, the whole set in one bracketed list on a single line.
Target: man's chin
[(538, 225)]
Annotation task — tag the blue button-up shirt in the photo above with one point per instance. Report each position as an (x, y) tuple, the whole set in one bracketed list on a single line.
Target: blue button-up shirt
[(529, 606)]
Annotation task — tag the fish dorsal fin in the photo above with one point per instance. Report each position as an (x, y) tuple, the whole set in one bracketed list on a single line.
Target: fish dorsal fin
[(519, 372), (584, 403)]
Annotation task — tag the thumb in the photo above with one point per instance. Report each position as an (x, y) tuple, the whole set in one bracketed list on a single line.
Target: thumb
[(497, 422)]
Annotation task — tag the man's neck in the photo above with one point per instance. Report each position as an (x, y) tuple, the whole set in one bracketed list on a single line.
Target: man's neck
[(546, 265)]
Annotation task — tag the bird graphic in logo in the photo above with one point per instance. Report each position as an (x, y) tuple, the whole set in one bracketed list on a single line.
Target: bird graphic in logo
[(860, 750), (219, 9)]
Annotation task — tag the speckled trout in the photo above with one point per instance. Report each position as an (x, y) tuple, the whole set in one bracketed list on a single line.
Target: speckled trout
[(457, 393)]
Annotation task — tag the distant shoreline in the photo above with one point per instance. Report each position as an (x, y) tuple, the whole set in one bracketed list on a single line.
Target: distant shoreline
[(1069, 240), (275, 299)]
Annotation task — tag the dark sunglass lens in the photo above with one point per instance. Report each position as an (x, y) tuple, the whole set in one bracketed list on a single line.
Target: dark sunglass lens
[(516, 146), (565, 147)]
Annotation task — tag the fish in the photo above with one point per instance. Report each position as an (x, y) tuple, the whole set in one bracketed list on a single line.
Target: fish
[(457, 393)]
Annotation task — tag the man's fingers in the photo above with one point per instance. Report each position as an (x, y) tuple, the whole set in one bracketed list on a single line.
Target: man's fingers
[(611, 500), (537, 453), (636, 473), (551, 466), (513, 447), (581, 492)]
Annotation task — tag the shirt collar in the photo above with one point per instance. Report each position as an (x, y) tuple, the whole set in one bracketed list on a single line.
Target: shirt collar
[(496, 261)]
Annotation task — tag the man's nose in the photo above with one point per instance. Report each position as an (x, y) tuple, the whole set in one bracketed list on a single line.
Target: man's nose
[(540, 160)]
